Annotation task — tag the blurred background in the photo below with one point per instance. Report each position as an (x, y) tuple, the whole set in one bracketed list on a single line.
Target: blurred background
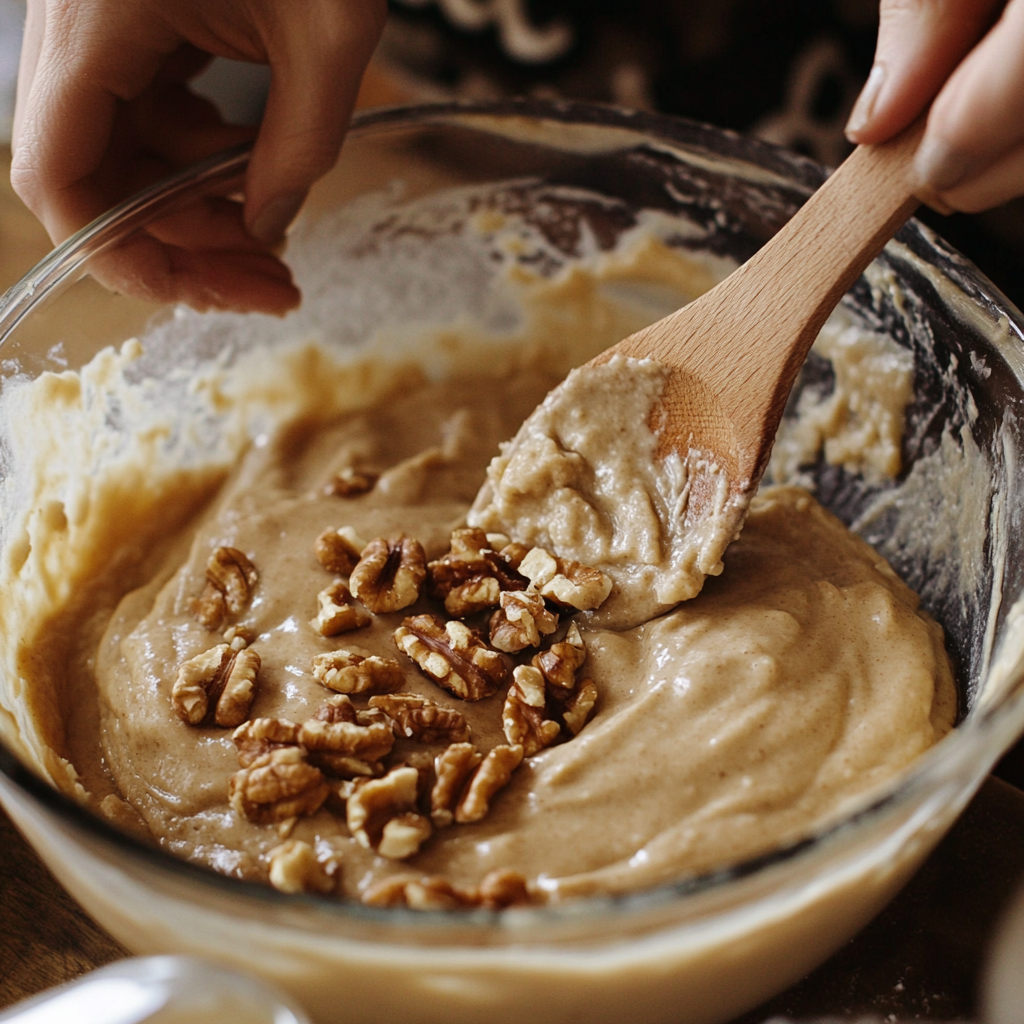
[(785, 70)]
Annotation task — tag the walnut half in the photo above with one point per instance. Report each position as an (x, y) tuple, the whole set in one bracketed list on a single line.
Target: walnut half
[(223, 677), (352, 753), (389, 574), (521, 621), (572, 699), (471, 576), (261, 735), (278, 785), (452, 656), (338, 611), (374, 804), (560, 661), (339, 550), (353, 670), (452, 769), (351, 483), (294, 867), (368, 742), (524, 717), (230, 580), (497, 890), (422, 719), (565, 582)]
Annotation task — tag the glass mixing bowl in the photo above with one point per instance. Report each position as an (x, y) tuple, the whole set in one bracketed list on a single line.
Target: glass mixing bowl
[(384, 238)]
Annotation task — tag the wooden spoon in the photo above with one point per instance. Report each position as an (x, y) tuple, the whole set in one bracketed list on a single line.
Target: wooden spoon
[(734, 353)]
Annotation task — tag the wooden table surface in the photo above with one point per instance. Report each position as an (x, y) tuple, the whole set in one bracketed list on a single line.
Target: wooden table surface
[(920, 958)]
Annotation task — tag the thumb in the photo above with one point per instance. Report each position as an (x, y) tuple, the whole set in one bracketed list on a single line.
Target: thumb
[(920, 42), (317, 60)]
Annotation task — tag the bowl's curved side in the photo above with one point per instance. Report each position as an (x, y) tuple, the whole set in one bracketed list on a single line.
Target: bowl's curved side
[(704, 949)]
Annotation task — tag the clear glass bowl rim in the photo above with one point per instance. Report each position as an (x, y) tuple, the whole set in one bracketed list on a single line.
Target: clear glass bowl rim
[(967, 747)]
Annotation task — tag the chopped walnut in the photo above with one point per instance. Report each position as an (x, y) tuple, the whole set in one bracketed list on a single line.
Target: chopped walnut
[(559, 665), (452, 768), (338, 611), (388, 892), (468, 544), (209, 608), (367, 742), (221, 676), (436, 893), (389, 574), (278, 785), (452, 656), (197, 679), (567, 583), (375, 802), (521, 621), (524, 717), (339, 550), (422, 719), (261, 735), (340, 765), (492, 776), (475, 595), (350, 483), (418, 893), (230, 581), (294, 868), (353, 670), (514, 553), (503, 888), (404, 835), (336, 709), (579, 706), (239, 688), (345, 767), (497, 890), (560, 661), (238, 637), (471, 577)]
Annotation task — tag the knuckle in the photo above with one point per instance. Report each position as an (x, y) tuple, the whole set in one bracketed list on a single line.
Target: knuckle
[(26, 177)]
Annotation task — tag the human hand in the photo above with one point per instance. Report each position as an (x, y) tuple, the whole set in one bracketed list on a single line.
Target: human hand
[(967, 55), (104, 109)]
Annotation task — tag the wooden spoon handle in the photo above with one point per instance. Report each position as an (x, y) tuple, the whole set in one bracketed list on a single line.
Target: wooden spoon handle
[(831, 239), (739, 347), (787, 290)]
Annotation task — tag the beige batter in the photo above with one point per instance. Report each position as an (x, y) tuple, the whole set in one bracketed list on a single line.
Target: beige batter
[(581, 478), (797, 681)]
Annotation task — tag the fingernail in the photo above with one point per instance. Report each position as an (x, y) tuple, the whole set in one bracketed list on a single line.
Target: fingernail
[(272, 221), (940, 166), (865, 105)]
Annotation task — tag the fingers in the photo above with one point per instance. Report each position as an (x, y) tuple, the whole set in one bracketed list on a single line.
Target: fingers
[(102, 109), (153, 271), (920, 42), (997, 184), (176, 125), (317, 59), (88, 59), (213, 224), (977, 122)]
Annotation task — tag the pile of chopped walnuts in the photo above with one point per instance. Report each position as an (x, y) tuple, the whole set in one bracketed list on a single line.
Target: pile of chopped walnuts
[(497, 625)]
